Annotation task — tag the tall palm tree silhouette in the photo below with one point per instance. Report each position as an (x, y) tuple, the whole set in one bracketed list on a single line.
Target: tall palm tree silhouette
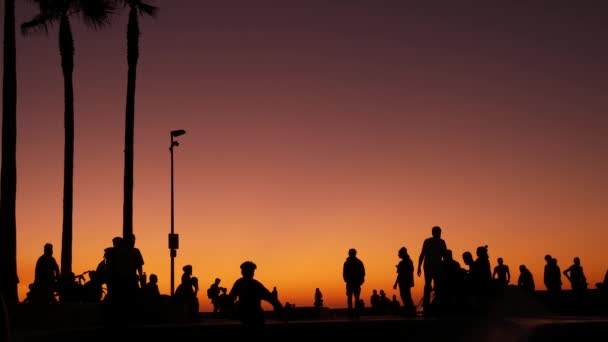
[(8, 170), (136, 8), (95, 14)]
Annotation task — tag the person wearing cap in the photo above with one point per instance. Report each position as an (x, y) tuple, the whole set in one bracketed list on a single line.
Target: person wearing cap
[(248, 294)]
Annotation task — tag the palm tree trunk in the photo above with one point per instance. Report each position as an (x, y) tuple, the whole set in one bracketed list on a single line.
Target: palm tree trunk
[(8, 183), (132, 57), (66, 48)]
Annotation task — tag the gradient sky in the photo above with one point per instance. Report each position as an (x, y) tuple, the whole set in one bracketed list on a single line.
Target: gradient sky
[(317, 126)]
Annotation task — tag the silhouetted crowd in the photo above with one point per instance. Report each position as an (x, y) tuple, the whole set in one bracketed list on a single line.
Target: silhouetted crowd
[(449, 288)]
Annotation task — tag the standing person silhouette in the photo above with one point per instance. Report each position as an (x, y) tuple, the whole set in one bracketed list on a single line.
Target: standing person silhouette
[(46, 276), (431, 255), (576, 276), (405, 281), (213, 293), (353, 273), (250, 294), (186, 293), (552, 276), (501, 273)]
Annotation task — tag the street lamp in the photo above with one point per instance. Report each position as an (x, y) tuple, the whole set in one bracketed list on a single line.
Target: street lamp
[(173, 238)]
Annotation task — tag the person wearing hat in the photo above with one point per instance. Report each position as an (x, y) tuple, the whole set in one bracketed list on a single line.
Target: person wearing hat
[(249, 293)]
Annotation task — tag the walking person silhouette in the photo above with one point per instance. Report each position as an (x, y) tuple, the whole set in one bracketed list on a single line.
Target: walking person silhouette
[(405, 281), (353, 273), (433, 250)]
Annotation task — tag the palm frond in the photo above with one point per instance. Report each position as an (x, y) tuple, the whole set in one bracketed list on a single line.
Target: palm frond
[(147, 9), (40, 23), (95, 13)]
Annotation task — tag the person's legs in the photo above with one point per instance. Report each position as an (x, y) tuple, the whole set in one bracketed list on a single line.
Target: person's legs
[(426, 299), (357, 295), (349, 297)]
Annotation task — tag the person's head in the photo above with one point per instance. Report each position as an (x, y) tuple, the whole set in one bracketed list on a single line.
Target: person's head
[(187, 269), (402, 252), (448, 256), (577, 261), (522, 268), (500, 261), (482, 251), (352, 252), (117, 241), (48, 248), (217, 280), (153, 278), (248, 269), (436, 231), (467, 257), (548, 258)]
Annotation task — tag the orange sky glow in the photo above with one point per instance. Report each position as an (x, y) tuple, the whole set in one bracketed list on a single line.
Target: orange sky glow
[(314, 127)]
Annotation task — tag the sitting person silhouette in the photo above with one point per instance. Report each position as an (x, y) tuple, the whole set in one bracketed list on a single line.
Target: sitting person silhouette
[(250, 294)]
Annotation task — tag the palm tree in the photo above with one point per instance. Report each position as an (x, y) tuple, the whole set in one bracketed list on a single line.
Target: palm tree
[(95, 14), (8, 182), (136, 8)]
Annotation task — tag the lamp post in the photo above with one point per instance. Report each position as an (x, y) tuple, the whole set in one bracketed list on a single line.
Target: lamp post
[(173, 238)]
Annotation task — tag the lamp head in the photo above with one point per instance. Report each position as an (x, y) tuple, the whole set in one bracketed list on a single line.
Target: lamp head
[(177, 132)]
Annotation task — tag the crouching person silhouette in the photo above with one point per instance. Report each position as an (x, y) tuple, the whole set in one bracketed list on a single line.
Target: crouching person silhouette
[(249, 293)]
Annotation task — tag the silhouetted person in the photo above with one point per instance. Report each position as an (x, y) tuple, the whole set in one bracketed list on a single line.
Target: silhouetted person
[(604, 284), (480, 280), (186, 293), (353, 273), (109, 268), (384, 303), (432, 252), (136, 263), (395, 306), (450, 285), (152, 302), (501, 273), (92, 290), (481, 272), (225, 303), (374, 301), (576, 276), (525, 280), (213, 293), (151, 291), (552, 275), (46, 276), (318, 302), (250, 294), (405, 281)]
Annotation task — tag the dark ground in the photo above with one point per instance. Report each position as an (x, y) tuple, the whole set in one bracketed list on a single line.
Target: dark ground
[(514, 317)]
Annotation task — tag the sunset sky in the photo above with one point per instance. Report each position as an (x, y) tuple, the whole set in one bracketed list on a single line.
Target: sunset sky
[(317, 126)]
